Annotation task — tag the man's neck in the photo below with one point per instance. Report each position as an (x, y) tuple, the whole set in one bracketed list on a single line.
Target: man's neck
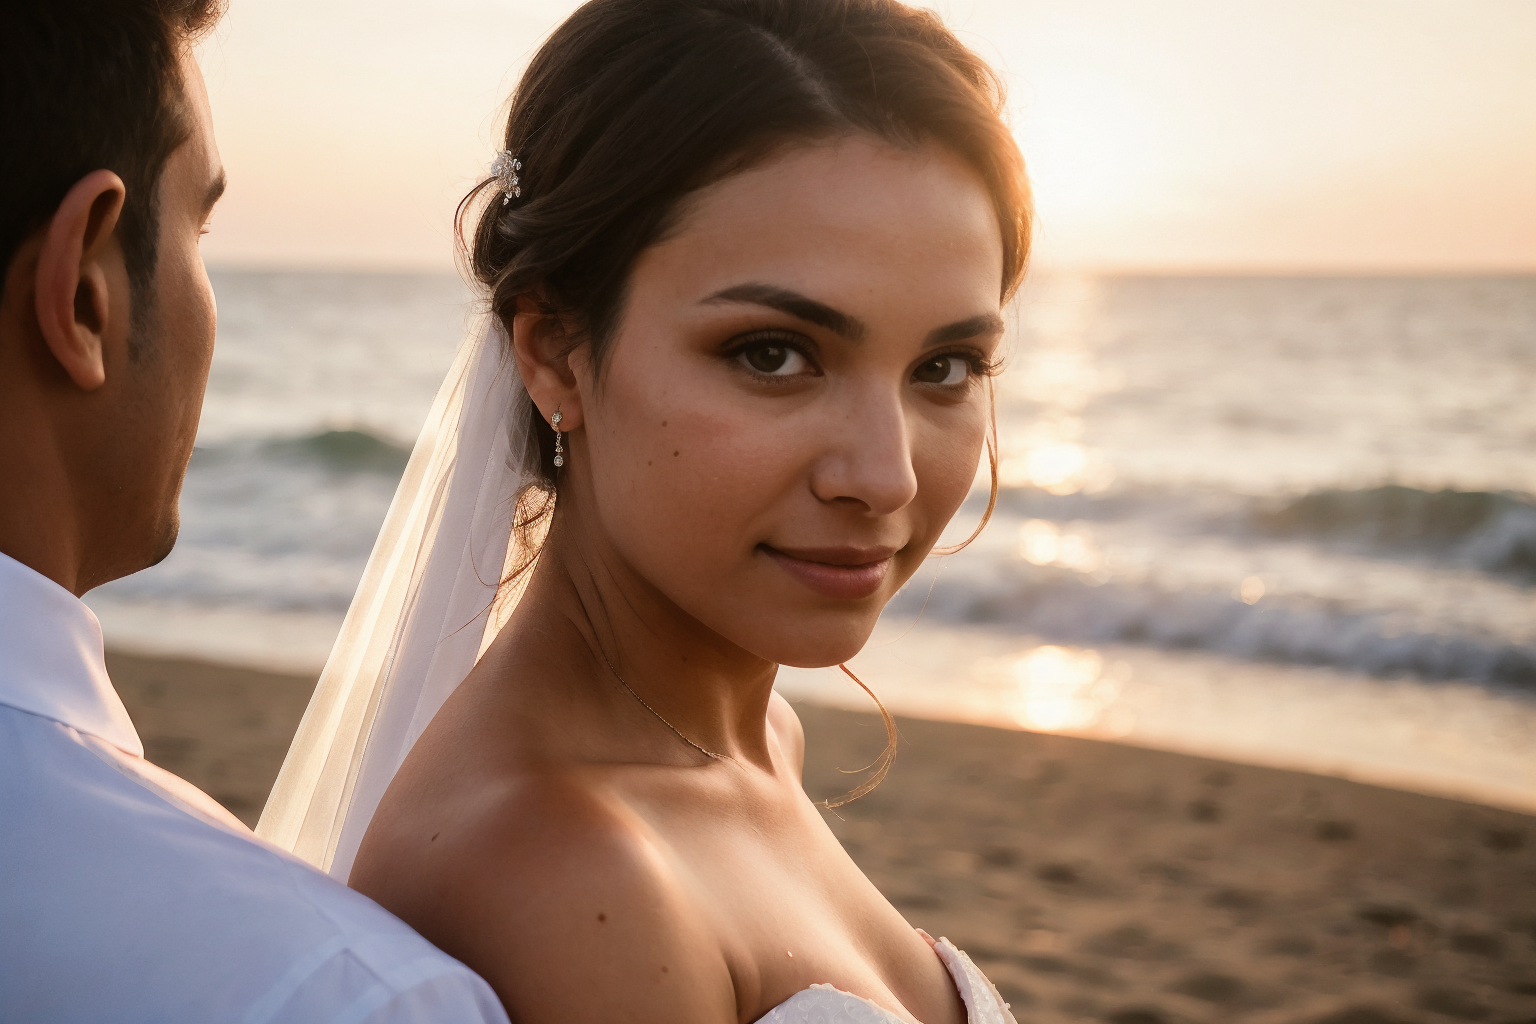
[(40, 526), (31, 533)]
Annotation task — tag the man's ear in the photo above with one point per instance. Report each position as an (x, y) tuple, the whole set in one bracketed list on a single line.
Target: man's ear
[(79, 273), (542, 346)]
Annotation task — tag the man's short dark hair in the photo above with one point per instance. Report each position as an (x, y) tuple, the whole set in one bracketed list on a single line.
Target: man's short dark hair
[(86, 85)]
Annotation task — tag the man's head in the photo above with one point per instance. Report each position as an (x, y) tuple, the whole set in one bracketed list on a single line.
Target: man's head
[(108, 173)]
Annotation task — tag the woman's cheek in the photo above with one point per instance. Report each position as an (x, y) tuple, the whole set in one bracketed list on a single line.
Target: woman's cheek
[(945, 462), (694, 495)]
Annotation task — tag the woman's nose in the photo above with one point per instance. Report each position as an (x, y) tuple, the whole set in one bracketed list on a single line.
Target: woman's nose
[(867, 456)]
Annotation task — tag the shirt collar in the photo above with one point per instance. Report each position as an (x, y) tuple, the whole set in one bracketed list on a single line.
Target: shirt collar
[(51, 660)]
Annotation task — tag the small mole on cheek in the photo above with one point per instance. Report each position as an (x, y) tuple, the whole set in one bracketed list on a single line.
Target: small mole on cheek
[(434, 838), (602, 917), (663, 422), (647, 462), (663, 968), (676, 454)]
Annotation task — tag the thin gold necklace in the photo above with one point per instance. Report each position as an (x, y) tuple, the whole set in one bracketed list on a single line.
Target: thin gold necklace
[(659, 717)]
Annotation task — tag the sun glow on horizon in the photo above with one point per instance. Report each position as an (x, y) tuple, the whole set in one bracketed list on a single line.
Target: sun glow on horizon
[(1381, 135)]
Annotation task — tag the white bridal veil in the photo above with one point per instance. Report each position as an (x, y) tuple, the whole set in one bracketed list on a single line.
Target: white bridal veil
[(423, 612)]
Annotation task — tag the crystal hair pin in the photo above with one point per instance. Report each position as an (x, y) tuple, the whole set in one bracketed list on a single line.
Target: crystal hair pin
[(504, 169)]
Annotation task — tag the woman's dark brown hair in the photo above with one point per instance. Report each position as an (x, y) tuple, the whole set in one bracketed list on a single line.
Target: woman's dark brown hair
[(632, 104)]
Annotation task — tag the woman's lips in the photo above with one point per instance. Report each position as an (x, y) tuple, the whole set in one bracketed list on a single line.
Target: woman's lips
[(848, 574)]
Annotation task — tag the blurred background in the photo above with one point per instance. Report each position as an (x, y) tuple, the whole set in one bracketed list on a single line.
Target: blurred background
[(1266, 523), (1267, 430)]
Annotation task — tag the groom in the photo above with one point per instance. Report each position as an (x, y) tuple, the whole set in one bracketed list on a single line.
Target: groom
[(125, 893)]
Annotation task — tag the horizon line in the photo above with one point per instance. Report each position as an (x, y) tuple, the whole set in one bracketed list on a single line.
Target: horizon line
[(1188, 270)]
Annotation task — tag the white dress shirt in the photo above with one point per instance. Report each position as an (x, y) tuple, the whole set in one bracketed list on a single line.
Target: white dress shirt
[(127, 895)]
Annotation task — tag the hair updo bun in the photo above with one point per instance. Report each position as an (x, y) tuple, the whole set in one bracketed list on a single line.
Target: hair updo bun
[(632, 104)]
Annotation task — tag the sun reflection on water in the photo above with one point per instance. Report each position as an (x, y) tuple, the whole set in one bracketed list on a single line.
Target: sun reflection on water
[(1042, 542), (1058, 689), (1055, 466), (1057, 380)]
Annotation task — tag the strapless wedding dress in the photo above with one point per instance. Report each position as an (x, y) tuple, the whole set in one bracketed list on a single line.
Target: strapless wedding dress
[(824, 1004)]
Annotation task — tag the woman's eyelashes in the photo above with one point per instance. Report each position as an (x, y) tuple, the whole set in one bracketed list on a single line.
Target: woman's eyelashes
[(776, 356), (782, 357), (952, 369), (947, 370)]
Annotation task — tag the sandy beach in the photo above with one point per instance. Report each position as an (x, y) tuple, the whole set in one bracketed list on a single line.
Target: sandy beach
[(1093, 881)]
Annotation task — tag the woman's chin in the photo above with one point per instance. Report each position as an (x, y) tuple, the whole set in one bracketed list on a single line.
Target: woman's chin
[(778, 622), (819, 643)]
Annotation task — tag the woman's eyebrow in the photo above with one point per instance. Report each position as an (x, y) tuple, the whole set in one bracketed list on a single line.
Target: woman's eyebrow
[(794, 304), (982, 325), (803, 307)]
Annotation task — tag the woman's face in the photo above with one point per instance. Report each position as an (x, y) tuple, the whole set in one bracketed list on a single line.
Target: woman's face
[(794, 406)]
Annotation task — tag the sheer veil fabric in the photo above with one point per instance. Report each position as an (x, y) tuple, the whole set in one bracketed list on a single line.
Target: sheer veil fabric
[(425, 610)]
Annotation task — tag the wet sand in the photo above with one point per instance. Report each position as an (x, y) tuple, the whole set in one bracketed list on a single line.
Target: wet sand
[(1092, 881)]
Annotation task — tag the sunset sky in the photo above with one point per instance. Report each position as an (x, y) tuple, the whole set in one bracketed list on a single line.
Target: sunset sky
[(1241, 135)]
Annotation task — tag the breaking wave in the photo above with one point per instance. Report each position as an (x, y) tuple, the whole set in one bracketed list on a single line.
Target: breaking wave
[(1491, 531), (1495, 532), (288, 523), (1062, 606), (339, 451)]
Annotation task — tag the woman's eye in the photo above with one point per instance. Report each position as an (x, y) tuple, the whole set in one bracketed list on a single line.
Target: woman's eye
[(774, 360), (942, 370)]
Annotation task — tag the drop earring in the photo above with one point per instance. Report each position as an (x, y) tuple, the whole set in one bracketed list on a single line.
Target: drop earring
[(554, 421)]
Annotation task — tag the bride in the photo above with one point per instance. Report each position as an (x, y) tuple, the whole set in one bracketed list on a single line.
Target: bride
[(745, 263)]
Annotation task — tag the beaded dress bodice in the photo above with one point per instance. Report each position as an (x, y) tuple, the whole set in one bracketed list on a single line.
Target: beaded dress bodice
[(825, 1004)]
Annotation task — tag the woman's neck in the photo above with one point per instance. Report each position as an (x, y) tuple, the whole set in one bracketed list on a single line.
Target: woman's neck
[(616, 649)]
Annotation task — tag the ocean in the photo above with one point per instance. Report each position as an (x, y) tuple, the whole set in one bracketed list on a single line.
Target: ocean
[(1287, 521)]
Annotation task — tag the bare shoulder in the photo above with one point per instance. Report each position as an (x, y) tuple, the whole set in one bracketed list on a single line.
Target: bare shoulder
[(787, 728), (562, 898)]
